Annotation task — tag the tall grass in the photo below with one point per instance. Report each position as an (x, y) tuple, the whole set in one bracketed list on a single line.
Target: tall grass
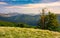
[(15, 32)]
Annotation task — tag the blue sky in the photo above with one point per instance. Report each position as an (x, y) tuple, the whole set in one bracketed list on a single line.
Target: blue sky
[(16, 2), (29, 6)]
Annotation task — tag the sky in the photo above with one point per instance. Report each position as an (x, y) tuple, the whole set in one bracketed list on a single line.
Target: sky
[(29, 6)]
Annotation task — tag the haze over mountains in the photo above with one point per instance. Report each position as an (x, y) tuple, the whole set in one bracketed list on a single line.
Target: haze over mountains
[(23, 18), (8, 14), (16, 13)]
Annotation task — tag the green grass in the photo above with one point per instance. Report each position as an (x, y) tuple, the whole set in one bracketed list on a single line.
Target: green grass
[(15, 32)]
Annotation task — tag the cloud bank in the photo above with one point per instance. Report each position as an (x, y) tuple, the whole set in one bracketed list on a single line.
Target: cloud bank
[(3, 3), (31, 8)]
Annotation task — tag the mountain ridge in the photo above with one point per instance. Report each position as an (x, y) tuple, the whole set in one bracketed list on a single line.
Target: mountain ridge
[(24, 18)]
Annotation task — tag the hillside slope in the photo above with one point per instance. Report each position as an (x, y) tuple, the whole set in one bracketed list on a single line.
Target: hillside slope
[(15, 32)]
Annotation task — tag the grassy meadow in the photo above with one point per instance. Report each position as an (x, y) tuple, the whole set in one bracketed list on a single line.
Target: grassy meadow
[(15, 32)]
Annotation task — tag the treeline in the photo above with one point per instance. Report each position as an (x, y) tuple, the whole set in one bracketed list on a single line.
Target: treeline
[(13, 24)]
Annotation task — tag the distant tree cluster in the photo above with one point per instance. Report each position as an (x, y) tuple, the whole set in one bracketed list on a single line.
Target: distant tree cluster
[(13, 24)]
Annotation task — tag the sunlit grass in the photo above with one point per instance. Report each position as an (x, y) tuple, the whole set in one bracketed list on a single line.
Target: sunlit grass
[(15, 32)]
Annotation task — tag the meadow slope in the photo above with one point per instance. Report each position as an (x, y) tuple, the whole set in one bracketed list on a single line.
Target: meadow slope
[(15, 32)]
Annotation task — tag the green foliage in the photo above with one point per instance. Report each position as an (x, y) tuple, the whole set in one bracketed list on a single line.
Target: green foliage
[(50, 22), (22, 25), (13, 24), (4, 23)]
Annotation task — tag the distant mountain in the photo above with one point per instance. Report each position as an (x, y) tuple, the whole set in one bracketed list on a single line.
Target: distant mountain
[(24, 18), (8, 14)]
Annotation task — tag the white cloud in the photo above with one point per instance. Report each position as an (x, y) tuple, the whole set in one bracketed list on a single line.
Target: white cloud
[(33, 8), (55, 9), (41, 5), (44, 5), (3, 3)]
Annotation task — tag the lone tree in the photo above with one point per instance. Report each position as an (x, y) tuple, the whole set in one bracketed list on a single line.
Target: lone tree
[(41, 23), (48, 21)]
